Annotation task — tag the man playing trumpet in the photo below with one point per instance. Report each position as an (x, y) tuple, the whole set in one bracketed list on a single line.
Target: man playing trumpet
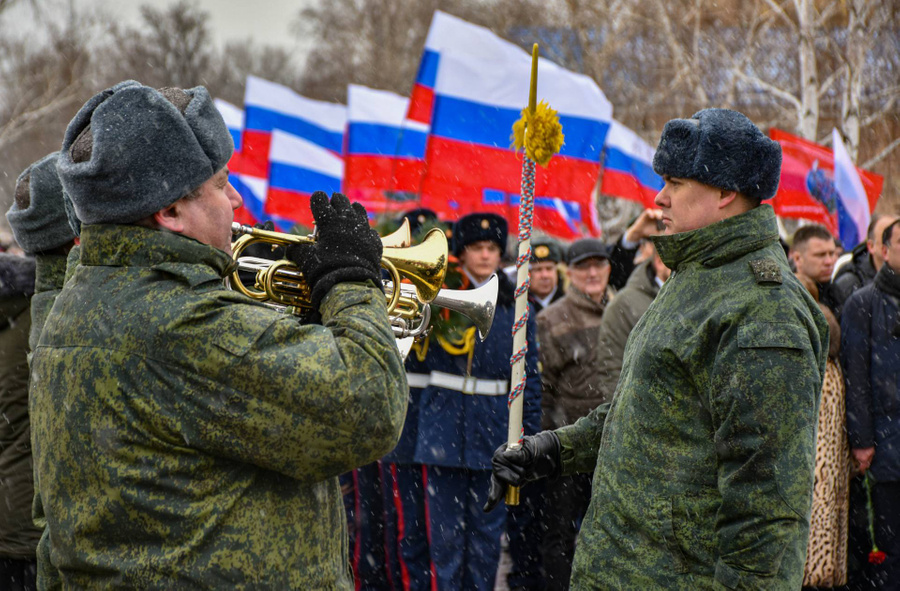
[(185, 435)]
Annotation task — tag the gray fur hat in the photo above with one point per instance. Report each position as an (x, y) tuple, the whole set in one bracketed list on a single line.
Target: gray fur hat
[(38, 215), (721, 148), (147, 153)]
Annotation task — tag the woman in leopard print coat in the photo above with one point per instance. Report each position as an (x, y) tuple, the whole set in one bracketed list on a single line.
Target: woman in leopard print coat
[(826, 555)]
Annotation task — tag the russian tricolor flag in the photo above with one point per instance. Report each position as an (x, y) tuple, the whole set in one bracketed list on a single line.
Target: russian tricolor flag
[(269, 106), (298, 168), (470, 165), (384, 157), (449, 33), (628, 167)]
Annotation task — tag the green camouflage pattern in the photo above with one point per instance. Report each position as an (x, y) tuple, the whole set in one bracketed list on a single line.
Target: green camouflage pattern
[(188, 437), (72, 261), (50, 274), (704, 458), (49, 281)]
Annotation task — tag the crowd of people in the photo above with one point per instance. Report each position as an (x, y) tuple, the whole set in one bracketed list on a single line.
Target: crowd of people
[(700, 410)]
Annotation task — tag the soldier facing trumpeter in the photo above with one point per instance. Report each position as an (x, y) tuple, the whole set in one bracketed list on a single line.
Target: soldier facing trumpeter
[(185, 435), (703, 461)]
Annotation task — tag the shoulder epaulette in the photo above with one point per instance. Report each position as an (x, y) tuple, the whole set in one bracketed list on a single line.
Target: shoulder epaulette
[(766, 271)]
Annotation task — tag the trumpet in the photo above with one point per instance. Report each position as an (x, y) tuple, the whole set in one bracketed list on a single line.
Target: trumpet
[(411, 318), (282, 283)]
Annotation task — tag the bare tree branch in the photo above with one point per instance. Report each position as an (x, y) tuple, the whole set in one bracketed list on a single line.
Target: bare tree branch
[(884, 153)]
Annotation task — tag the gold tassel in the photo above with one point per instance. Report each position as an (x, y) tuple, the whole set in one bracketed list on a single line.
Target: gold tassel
[(545, 136)]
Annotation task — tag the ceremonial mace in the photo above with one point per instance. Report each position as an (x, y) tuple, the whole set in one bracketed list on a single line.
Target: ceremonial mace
[(539, 133)]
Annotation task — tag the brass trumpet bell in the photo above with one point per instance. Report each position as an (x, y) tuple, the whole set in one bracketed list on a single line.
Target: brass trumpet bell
[(412, 316), (282, 283)]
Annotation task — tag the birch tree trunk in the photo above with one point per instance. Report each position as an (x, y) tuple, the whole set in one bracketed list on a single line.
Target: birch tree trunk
[(808, 121)]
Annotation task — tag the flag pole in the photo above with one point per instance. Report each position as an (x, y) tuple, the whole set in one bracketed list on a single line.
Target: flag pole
[(520, 345)]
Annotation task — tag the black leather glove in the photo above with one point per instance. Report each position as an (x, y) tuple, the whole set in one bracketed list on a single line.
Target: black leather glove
[(537, 458), (346, 248)]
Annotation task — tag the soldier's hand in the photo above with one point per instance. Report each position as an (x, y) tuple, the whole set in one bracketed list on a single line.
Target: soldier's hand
[(346, 247), (537, 458)]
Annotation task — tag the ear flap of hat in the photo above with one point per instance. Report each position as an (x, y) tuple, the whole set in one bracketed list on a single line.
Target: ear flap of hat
[(206, 122)]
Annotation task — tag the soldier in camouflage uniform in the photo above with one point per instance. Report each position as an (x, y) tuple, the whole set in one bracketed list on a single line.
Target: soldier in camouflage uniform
[(38, 221), (184, 435), (704, 458)]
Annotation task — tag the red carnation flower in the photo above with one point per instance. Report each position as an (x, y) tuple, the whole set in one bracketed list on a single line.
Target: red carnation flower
[(877, 557)]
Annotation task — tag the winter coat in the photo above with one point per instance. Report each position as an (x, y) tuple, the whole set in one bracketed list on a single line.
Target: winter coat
[(870, 355), (852, 275), (567, 331), (188, 437), (462, 430), (18, 536), (50, 284), (49, 280), (621, 315), (703, 461)]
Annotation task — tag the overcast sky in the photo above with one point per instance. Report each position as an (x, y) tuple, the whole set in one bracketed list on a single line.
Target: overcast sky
[(265, 21)]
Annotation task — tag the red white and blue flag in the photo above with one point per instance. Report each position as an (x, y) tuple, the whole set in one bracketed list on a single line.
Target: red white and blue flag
[(470, 165), (470, 89), (448, 33), (298, 168), (384, 157), (808, 189), (318, 125), (628, 167)]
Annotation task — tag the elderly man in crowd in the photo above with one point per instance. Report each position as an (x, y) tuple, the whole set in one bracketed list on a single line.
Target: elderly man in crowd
[(567, 332), (703, 461), (39, 222), (185, 435)]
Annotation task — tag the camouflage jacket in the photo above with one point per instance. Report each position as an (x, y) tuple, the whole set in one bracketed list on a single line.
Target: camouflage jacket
[(704, 458), (187, 437), (49, 278), (52, 273)]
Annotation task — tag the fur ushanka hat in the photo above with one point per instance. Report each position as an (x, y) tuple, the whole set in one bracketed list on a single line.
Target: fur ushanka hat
[(721, 148), (38, 214), (146, 151), (480, 226)]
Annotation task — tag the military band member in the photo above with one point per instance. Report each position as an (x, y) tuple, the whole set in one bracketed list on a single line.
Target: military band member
[(184, 435)]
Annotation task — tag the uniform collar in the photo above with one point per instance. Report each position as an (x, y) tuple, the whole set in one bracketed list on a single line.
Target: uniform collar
[(136, 246), (721, 242)]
